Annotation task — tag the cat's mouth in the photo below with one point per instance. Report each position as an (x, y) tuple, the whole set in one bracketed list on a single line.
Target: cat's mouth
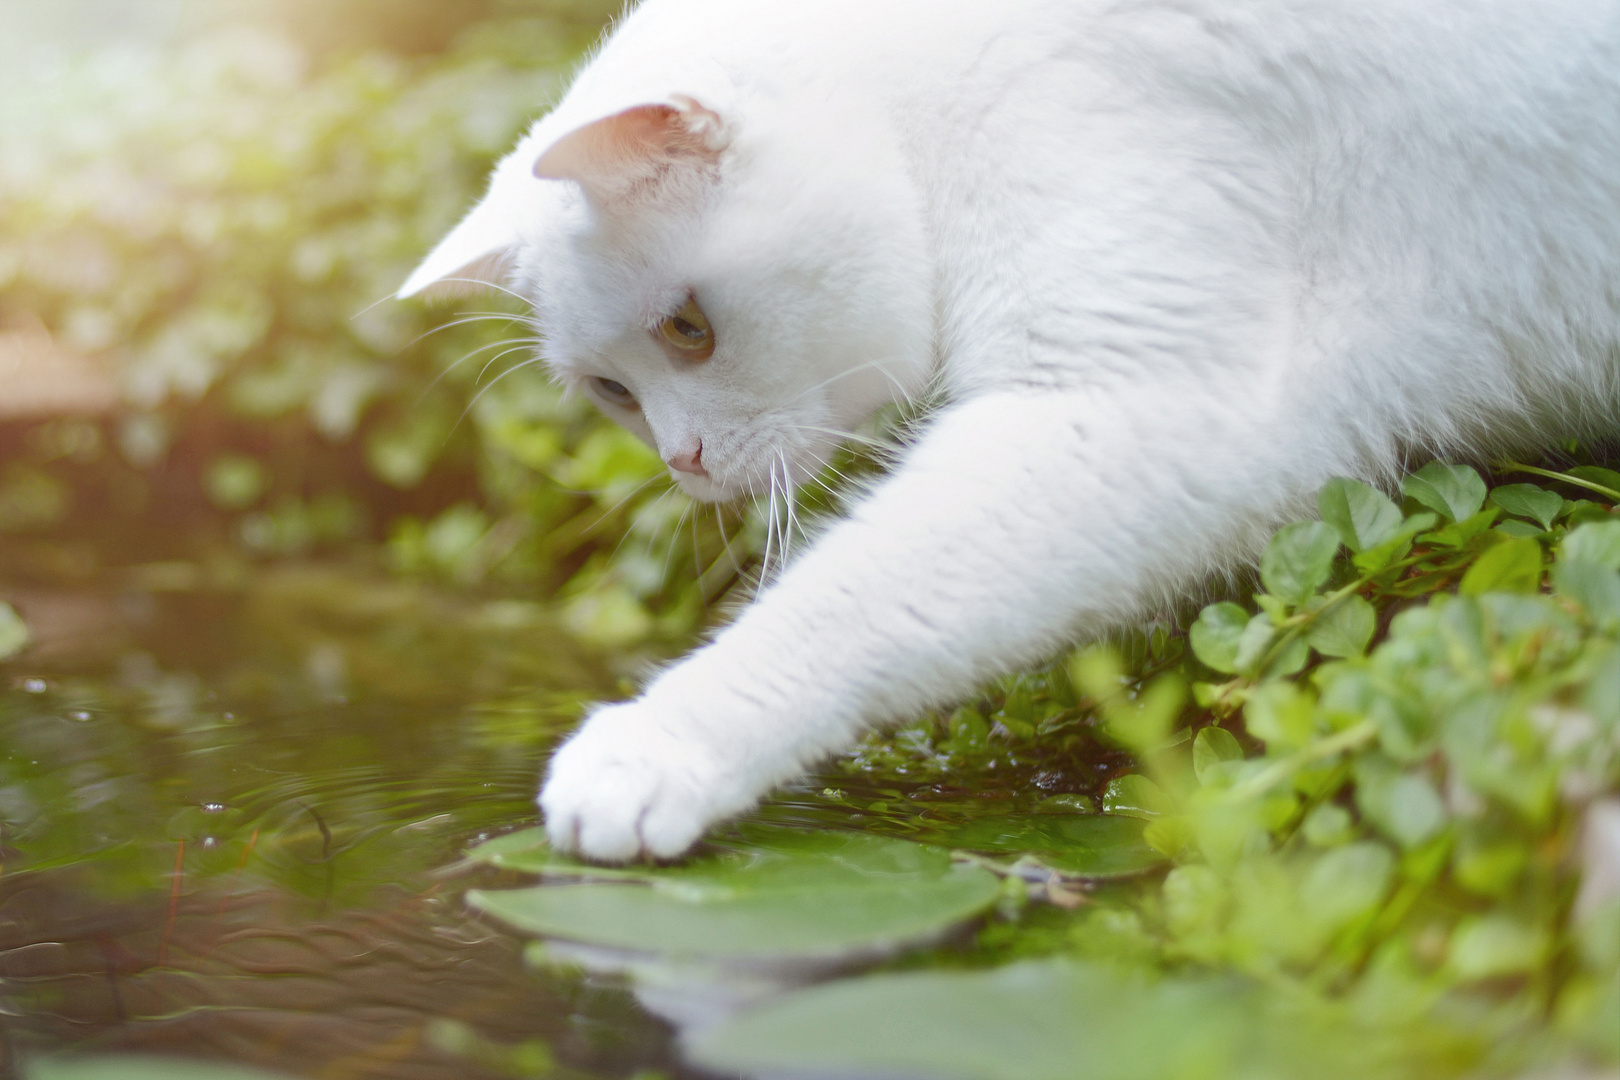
[(779, 478), (705, 488)]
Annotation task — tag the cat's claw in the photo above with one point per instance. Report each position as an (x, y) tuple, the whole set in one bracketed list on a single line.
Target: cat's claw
[(626, 786)]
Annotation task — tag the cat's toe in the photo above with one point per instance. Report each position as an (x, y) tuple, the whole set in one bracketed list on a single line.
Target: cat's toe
[(622, 789)]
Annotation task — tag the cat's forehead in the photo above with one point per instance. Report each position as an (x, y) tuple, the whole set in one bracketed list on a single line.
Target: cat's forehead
[(590, 281)]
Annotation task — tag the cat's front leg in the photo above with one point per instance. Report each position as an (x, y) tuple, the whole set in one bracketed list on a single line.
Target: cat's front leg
[(1019, 523)]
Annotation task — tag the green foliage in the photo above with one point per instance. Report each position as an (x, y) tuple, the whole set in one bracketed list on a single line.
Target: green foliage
[(220, 226), (1373, 806)]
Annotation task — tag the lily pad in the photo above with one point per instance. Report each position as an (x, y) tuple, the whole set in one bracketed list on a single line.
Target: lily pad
[(1048, 1020), (1081, 845), (1060, 1020), (527, 852), (772, 894)]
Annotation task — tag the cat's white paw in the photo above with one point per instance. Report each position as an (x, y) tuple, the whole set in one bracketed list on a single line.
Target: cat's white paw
[(632, 783)]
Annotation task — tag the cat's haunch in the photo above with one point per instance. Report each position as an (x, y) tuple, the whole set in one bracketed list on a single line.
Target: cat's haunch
[(1170, 268)]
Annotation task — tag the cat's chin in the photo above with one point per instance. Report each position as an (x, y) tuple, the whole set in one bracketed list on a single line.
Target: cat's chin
[(703, 489)]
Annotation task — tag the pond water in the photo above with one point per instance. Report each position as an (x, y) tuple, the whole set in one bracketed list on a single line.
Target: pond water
[(235, 802), (227, 809)]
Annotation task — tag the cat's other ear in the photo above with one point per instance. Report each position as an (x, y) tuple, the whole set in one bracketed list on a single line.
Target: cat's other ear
[(477, 253), (640, 152)]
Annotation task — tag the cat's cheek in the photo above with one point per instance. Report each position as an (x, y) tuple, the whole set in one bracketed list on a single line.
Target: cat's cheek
[(631, 784)]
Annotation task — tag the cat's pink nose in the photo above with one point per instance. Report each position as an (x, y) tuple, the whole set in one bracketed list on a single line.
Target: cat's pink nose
[(689, 461)]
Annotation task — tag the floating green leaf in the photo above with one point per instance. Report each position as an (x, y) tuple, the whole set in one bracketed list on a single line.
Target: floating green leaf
[(1298, 560), (1081, 845), (1034, 1021), (773, 893), (1363, 517), (1051, 1020), (1454, 491), (1529, 501), (1134, 795)]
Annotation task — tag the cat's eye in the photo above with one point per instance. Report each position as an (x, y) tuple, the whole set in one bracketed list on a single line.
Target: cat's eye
[(687, 333), (616, 392)]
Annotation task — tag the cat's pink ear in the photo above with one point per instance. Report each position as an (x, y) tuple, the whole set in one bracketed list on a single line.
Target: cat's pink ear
[(638, 152)]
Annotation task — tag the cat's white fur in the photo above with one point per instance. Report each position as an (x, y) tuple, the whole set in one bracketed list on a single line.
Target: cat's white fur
[(1173, 263)]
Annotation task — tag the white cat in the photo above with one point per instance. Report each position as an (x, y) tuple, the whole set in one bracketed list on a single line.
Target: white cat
[(1172, 263)]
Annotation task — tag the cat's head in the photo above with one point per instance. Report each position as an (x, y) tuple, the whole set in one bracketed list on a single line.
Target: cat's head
[(736, 287)]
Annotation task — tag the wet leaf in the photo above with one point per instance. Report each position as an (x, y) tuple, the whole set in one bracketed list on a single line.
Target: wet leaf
[(1454, 491), (1034, 1021), (1050, 1020), (772, 893), (1135, 795), (1081, 845)]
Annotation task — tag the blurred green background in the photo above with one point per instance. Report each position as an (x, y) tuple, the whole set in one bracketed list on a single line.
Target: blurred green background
[(204, 209)]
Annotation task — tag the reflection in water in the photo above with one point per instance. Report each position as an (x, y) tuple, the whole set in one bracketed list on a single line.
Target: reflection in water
[(222, 816)]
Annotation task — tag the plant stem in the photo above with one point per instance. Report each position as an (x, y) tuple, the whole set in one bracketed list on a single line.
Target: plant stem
[(1518, 466)]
